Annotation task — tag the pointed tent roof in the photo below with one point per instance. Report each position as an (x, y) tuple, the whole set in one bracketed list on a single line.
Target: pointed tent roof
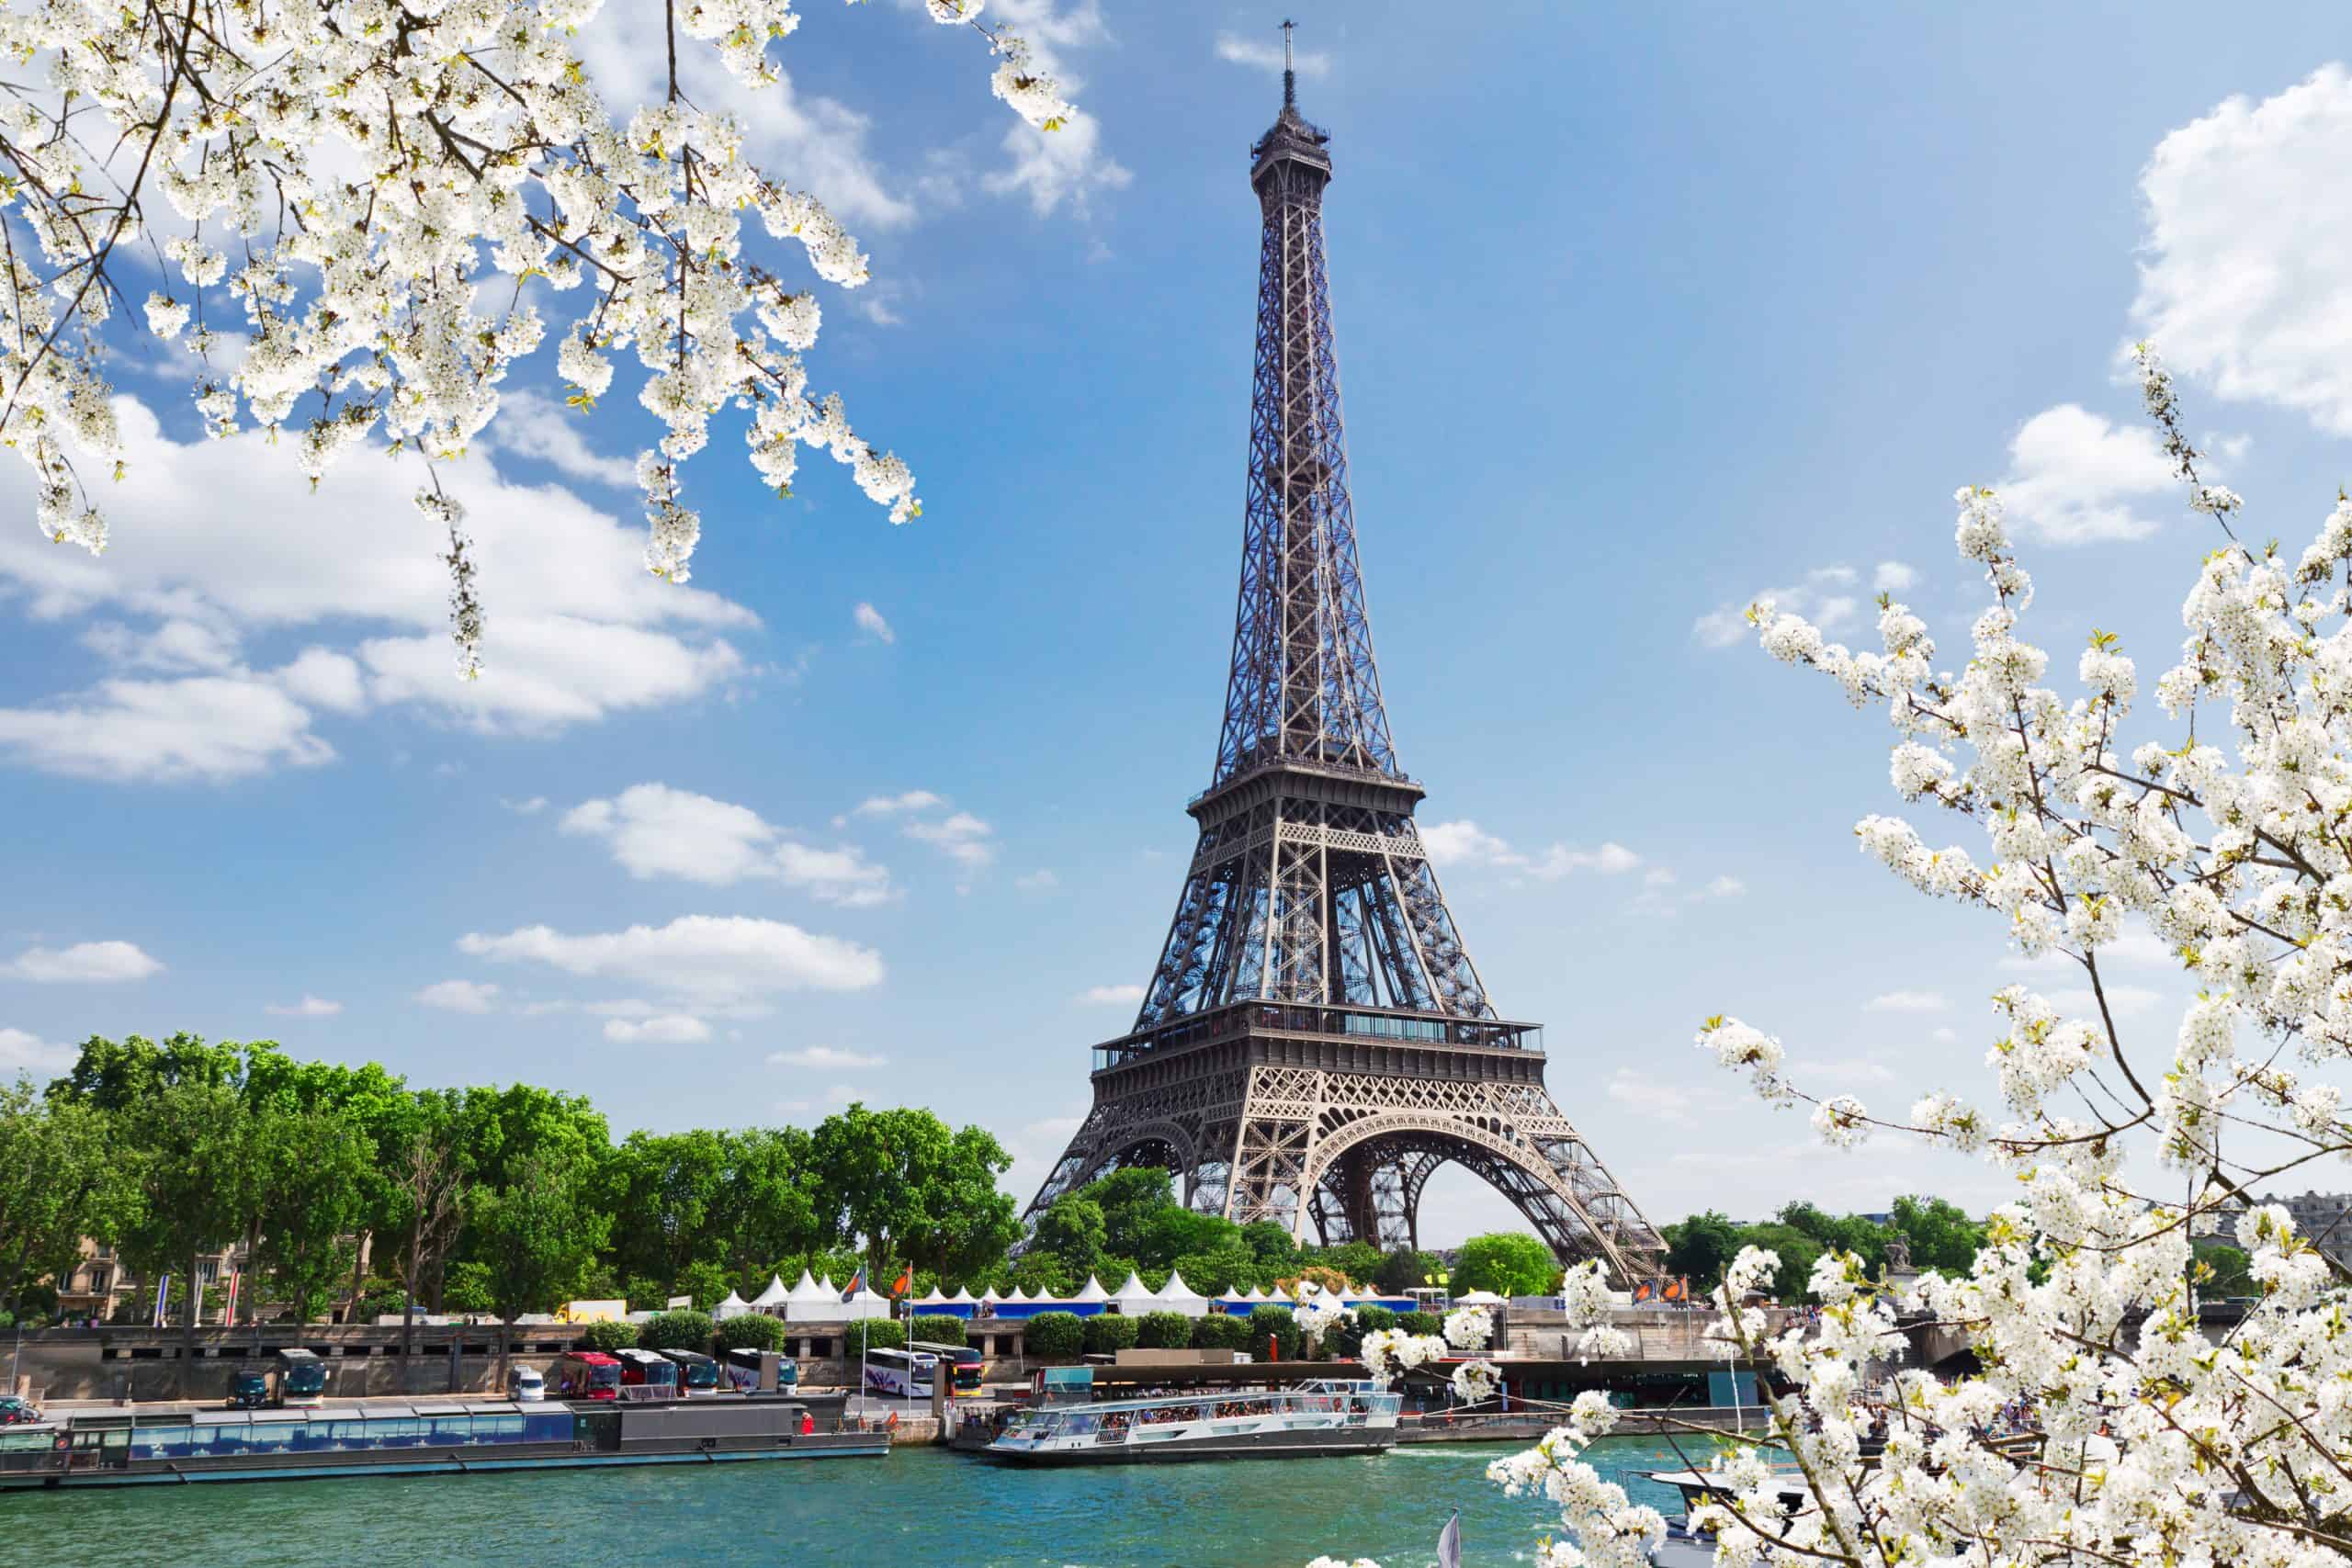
[(963, 1297), (774, 1295), (732, 1300), (1478, 1298), (1178, 1296), (808, 1290), (733, 1306), (1018, 1296), (1253, 1294), (1134, 1292), (865, 1304), (1091, 1291), (934, 1299), (989, 1297)]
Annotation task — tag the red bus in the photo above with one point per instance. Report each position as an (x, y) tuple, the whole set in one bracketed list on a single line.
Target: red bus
[(588, 1374)]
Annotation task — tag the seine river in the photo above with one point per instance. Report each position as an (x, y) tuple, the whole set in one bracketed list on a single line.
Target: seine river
[(919, 1509)]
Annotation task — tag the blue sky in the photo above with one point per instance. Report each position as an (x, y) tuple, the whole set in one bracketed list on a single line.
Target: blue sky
[(1639, 315)]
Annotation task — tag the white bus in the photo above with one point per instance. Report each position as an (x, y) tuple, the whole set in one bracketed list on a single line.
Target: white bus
[(901, 1374)]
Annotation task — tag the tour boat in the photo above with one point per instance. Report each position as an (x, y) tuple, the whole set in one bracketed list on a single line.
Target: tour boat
[(1309, 1418), (172, 1448)]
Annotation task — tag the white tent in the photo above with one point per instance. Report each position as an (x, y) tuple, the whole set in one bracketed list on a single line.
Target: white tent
[(1253, 1294), (933, 1300), (1018, 1296), (1478, 1298), (1091, 1291), (812, 1303), (774, 1295), (963, 1297), (989, 1297), (1178, 1296), (826, 1284), (1135, 1297), (733, 1306)]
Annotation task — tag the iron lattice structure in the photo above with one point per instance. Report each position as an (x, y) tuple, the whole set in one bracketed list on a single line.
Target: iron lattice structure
[(1315, 1040)]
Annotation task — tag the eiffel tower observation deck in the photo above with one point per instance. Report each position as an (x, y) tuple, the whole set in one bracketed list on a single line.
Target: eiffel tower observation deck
[(1315, 1040)]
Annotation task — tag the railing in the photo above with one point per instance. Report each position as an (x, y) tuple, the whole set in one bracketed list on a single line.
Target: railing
[(1375, 1024)]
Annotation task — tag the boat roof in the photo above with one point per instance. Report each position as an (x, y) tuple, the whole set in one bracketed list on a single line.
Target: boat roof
[(1318, 1385)]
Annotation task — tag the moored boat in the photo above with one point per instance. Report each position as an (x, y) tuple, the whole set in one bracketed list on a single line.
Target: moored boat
[(1312, 1418), (175, 1448)]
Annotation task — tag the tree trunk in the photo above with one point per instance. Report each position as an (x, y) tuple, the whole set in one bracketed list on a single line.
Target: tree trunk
[(408, 1306), (505, 1333), (359, 1277)]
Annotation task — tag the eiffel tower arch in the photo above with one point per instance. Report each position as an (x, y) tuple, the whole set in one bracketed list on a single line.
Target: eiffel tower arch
[(1315, 1040)]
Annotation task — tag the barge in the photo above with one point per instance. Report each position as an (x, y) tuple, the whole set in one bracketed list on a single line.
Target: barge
[(113, 1448), (1310, 1419)]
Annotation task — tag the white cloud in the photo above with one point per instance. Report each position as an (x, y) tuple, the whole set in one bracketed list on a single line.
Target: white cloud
[(530, 807), (2137, 946), (870, 622), (1038, 881), (1263, 55), (1465, 844), (2074, 474), (1725, 887), (1893, 577), (530, 424), (309, 1007), (897, 804), (85, 963), (825, 1058), (1110, 996), (21, 1052), (962, 838), (2247, 211), (1944, 1036), (670, 1028), (210, 534), (1843, 1070), (1818, 598), (1908, 1001), (1050, 167), (721, 958), (655, 831), (459, 996)]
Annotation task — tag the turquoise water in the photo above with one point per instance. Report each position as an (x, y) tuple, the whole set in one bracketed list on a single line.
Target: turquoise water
[(919, 1509)]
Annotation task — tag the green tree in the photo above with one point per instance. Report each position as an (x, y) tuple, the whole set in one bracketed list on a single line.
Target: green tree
[(938, 1328), (1271, 1243), (1054, 1335), (706, 1281), (1071, 1229), (607, 1335), (1359, 1260), (62, 1178), (904, 1187), (1163, 1330), (1131, 1200), (1421, 1323), (189, 1147), (2230, 1275), (426, 1154), (752, 1331), (313, 1178), (875, 1334), (1347, 1340), (1220, 1331), (1405, 1269), (1109, 1333), (1942, 1234), (766, 1206), (668, 1184), (537, 1234), (1700, 1247), (676, 1331), (1797, 1252), (466, 1288), (1510, 1263)]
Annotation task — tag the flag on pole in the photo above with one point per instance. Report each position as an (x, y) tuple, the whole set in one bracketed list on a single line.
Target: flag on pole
[(163, 1295), (856, 1284), (1449, 1542), (229, 1313), (905, 1282)]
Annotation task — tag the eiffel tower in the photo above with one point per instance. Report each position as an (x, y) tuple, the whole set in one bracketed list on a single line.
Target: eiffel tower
[(1315, 1040)]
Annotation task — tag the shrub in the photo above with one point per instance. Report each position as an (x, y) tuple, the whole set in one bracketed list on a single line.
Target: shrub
[(676, 1331), (1420, 1323), (938, 1328), (1163, 1330), (1218, 1332), (752, 1331), (873, 1334), (1107, 1334), (1055, 1335), (379, 1298), (1276, 1324), (1346, 1341), (605, 1336)]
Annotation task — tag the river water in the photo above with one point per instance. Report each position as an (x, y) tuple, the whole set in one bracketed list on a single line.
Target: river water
[(919, 1509)]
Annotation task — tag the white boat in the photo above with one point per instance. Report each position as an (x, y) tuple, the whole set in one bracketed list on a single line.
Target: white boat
[(1322, 1417)]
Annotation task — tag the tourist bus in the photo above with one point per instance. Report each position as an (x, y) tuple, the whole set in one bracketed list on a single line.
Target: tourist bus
[(301, 1378), (743, 1369), (904, 1374), (648, 1369), (964, 1365), (697, 1373), (588, 1374)]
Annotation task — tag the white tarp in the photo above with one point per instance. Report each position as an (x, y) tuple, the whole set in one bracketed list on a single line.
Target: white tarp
[(733, 1306), (1178, 1296)]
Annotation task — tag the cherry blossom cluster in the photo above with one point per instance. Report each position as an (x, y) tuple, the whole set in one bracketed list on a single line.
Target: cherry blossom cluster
[(375, 201)]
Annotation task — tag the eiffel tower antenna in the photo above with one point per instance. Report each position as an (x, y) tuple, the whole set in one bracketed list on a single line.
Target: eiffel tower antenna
[(1315, 1040)]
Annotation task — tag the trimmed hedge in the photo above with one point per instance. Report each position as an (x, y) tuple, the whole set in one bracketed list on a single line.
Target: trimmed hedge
[(873, 1334), (1219, 1332), (676, 1331), (606, 1337), (1278, 1324), (1423, 1323), (752, 1331), (1106, 1334), (939, 1328), (1055, 1335), (1163, 1330), (1346, 1340)]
